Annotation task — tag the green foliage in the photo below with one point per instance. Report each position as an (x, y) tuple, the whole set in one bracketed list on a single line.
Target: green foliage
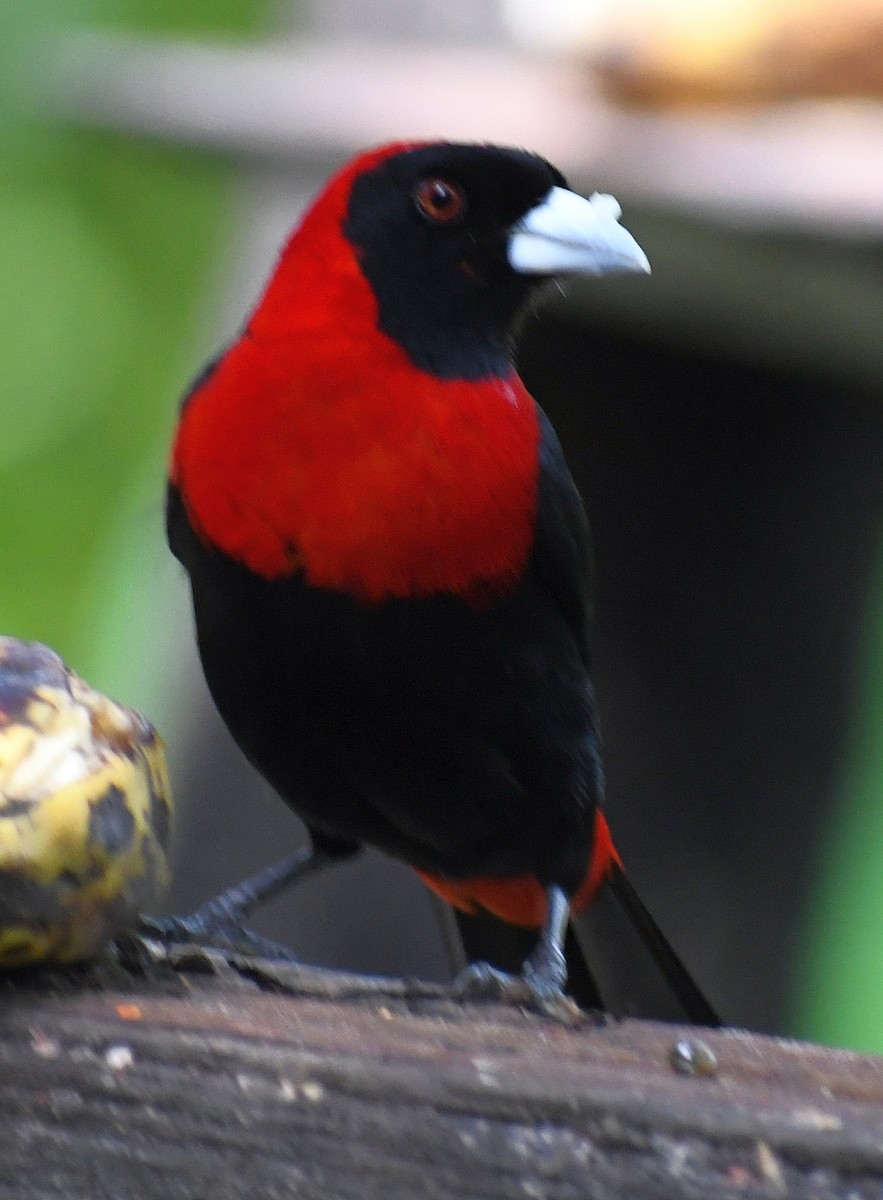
[(105, 262), (840, 969), (190, 18)]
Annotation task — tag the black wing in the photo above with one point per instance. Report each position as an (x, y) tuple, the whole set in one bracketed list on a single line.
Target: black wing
[(562, 554)]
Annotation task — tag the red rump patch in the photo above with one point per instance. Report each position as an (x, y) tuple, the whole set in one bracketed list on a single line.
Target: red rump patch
[(522, 901), (316, 445)]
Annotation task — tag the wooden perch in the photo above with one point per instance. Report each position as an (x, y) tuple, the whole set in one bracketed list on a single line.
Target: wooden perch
[(256, 1081)]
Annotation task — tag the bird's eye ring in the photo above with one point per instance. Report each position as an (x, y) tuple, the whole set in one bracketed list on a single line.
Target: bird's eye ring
[(440, 201)]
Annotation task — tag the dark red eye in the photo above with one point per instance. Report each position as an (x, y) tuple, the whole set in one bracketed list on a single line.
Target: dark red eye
[(439, 201)]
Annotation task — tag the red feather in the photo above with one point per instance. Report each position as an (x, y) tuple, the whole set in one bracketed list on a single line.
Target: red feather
[(522, 900), (385, 483)]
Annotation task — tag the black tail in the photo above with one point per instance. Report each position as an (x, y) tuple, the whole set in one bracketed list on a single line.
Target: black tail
[(642, 975), (634, 971)]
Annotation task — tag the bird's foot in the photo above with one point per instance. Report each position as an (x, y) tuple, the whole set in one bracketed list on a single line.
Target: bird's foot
[(213, 927), (482, 983), (220, 923), (539, 987)]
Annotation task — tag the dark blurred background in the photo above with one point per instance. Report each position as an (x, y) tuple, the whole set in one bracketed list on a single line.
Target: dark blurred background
[(724, 420)]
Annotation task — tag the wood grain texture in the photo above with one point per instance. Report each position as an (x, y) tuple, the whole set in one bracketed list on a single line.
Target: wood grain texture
[(263, 1082)]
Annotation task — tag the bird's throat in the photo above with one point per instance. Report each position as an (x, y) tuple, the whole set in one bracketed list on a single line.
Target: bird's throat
[(340, 460)]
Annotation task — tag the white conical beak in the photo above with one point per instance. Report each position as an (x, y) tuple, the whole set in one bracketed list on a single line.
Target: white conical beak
[(567, 233)]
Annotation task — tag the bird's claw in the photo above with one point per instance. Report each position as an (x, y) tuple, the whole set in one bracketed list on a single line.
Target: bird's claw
[(482, 983), (213, 930)]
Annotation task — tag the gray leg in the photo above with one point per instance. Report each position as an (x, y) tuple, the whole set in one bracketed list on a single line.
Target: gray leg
[(546, 968), (540, 986), (220, 921)]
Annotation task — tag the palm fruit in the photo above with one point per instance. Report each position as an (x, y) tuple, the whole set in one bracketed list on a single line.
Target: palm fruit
[(85, 811)]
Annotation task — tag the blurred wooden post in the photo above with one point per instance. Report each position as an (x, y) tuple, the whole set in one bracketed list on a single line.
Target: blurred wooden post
[(259, 1082)]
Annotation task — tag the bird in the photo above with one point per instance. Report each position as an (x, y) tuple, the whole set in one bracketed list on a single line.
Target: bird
[(390, 563)]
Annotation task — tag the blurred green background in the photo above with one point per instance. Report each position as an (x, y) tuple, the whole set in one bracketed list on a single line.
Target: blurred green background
[(110, 259), (109, 248)]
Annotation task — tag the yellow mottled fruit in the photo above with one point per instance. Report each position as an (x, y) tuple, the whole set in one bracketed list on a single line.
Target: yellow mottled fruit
[(85, 811)]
